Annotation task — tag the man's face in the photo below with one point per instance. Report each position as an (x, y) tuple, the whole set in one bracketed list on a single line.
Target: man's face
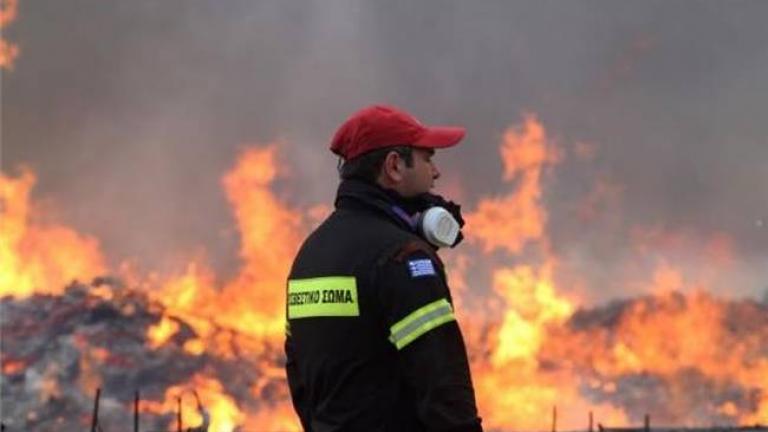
[(419, 178)]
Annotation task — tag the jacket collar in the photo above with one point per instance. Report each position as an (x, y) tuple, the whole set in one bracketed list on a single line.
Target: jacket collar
[(358, 194)]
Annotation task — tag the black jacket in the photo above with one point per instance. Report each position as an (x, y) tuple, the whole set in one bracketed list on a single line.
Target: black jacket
[(372, 343)]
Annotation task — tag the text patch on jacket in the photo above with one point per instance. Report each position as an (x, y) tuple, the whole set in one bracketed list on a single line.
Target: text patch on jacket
[(329, 296)]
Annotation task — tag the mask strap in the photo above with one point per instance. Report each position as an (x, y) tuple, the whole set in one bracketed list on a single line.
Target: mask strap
[(411, 220)]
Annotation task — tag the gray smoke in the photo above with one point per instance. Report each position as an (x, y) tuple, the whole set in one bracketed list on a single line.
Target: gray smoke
[(131, 111)]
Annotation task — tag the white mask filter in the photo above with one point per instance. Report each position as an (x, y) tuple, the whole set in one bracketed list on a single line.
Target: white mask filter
[(439, 227)]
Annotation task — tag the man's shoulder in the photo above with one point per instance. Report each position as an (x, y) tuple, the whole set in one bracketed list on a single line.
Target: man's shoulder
[(356, 235), (364, 226)]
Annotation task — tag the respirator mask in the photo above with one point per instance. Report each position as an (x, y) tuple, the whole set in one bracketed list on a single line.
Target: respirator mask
[(438, 226), (438, 220)]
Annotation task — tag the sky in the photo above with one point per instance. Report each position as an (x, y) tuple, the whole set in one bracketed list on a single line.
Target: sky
[(130, 112)]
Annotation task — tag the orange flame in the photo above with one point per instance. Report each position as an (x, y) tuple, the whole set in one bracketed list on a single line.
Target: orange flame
[(270, 232), (510, 390), (216, 408), (246, 312), (159, 333), (90, 359), (536, 361), (37, 257), (510, 221), (8, 51), (242, 315), (527, 355), (13, 366)]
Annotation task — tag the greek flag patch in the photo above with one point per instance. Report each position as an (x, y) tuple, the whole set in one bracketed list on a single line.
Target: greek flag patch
[(421, 267)]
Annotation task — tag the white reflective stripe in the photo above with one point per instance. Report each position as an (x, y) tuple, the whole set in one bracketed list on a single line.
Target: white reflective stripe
[(420, 322)]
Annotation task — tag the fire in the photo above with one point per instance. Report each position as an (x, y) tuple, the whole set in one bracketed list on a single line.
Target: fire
[(160, 333), (271, 233), (533, 344), (509, 222), (12, 366), (511, 391), (252, 302), (532, 304), (203, 401), (90, 360), (8, 51), (244, 314), (236, 318), (39, 257), (538, 356), (657, 340), (280, 418)]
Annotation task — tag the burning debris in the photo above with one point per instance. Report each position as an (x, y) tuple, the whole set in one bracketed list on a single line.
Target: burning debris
[(168, 337), (688, 360), (58, 350)]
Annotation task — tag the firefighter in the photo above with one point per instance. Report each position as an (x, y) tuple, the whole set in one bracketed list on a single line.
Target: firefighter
[(372, 342)]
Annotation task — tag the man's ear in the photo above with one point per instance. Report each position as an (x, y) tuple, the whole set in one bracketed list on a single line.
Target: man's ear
[(393, 167)]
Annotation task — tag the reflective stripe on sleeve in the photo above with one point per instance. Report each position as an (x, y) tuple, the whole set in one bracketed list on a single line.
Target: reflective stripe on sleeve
[(329, 296), (420, 322)]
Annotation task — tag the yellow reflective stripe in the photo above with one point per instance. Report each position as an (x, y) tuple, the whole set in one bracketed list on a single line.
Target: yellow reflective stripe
[(322, 297), (421, 321)]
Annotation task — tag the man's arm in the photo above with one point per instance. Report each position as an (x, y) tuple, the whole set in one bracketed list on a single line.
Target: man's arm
[(431, 349), (296, 385)]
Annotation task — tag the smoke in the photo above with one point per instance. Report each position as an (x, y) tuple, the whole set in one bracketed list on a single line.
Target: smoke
[(131, 112)]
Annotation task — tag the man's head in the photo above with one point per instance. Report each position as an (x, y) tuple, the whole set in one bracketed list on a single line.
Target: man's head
[(385, 145)]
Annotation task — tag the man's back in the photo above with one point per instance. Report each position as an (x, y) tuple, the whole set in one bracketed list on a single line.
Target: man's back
[(344, 360), (351, 285)]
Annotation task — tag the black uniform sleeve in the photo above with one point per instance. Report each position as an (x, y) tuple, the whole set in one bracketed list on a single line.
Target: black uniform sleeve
[(418, 311), (296, 385)]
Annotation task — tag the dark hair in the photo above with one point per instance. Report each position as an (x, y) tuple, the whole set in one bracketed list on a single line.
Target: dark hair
[(367, 166)]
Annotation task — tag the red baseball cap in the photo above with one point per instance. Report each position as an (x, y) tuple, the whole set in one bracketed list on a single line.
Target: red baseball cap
[(381, 126)]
